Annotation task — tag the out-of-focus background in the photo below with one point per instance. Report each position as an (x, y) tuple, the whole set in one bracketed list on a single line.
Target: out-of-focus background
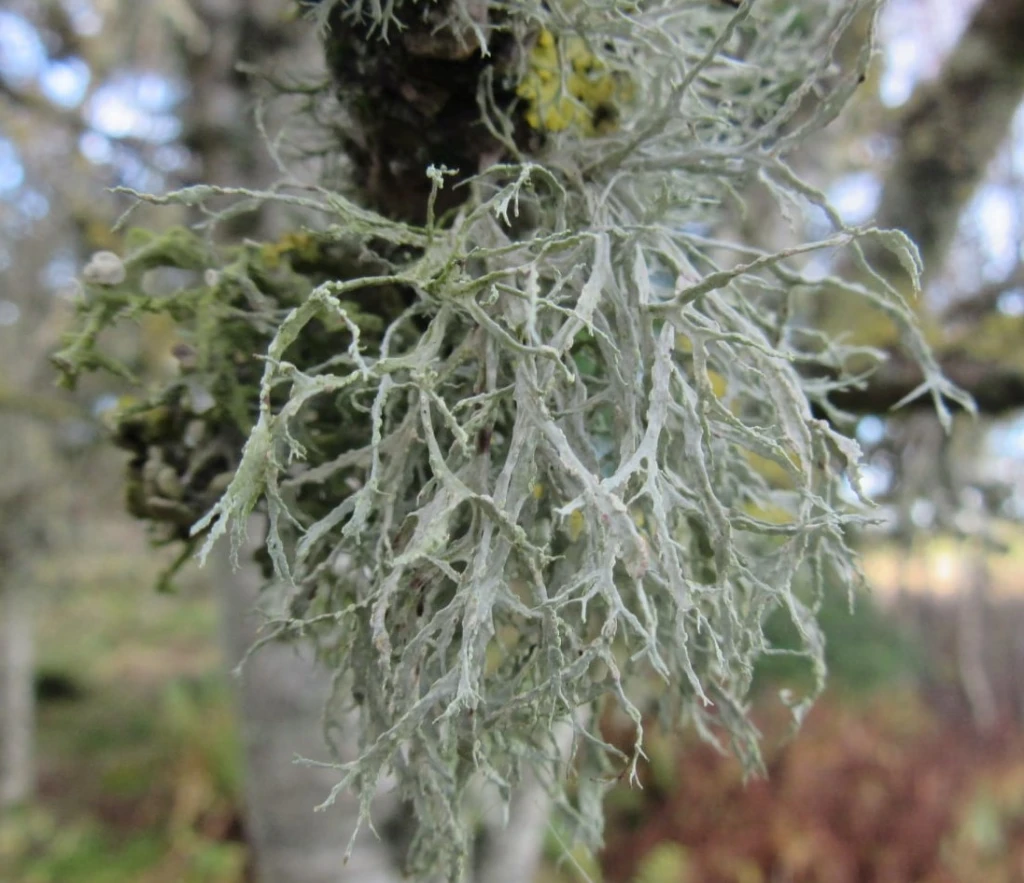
[(120, 750)]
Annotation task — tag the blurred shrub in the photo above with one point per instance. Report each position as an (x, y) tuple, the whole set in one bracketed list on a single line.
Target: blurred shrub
[(136, 789), (666, 863), (198, 716), (865, 648), (37, 847)]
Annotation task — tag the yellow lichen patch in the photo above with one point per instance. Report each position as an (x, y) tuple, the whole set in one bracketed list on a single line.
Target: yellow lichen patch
[(575, 525), (996, 338), (719, 384), (774, 472), (769, 514), (568, 87), (498, 650), (638, 517), (300, 244)]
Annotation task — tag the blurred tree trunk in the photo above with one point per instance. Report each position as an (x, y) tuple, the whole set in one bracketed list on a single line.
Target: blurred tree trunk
[(30, 489), (17, 700), (32, 485), (971, 637), (282, 691)]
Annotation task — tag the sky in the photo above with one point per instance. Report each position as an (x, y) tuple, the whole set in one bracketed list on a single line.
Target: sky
[(136, 104)]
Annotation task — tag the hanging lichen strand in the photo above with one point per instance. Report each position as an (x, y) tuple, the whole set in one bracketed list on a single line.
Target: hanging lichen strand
[(556, 448)]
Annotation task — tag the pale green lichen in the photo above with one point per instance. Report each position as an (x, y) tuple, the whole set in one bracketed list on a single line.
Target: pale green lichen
[(553, 493)]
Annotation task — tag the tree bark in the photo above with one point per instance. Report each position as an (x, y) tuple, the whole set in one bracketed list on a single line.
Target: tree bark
[(947, 136), (282, 691), (17, 699)]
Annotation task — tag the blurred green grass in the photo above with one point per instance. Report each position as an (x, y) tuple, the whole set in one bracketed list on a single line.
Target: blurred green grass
[(866, 650), (139, 767), (138, 761)]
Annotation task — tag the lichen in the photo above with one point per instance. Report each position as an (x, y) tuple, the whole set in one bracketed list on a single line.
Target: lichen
[(586, 95), (510, 461)]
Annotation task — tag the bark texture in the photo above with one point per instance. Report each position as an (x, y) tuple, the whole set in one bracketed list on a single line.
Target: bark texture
[(415, 101), (996, 388)]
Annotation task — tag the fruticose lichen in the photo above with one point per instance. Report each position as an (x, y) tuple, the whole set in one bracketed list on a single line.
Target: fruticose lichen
[(521, 461)]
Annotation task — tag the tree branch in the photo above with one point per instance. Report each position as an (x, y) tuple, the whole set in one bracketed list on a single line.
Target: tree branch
[(985, 299), (36, 104), (996, 388)]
